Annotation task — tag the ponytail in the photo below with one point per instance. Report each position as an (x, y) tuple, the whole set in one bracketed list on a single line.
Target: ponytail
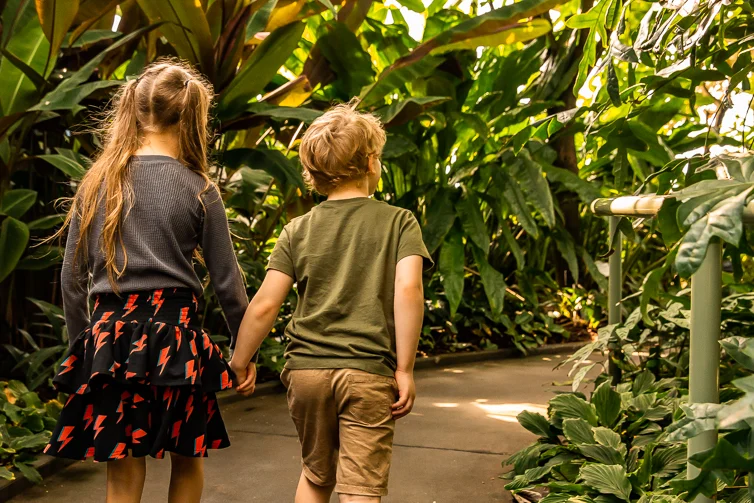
[(167, 94)]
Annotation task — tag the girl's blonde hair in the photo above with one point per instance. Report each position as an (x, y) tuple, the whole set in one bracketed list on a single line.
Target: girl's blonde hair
[(337, 146), (168, 95)]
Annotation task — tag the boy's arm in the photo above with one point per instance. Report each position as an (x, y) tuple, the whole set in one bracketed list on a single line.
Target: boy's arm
[(256, 324), (409, 316)]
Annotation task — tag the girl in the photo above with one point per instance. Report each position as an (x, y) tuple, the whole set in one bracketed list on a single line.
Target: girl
[(141, 373)]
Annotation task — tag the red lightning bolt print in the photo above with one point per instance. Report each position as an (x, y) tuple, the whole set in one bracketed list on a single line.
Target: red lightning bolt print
[(65, 436), (225, 380), (89, 453), (191, 371), (192, 345), (189, 407), (196, 302), (118, 329), (210, 410), (176, 430), (88, 416), (184, 319), (137, 435), (118, 451), (67, 364), (207, 343), (157, 300), (140, 344), (199, 446), (216, 443), (178, 338), (130, 306), (98, 425), (164, 357), (100, 339)]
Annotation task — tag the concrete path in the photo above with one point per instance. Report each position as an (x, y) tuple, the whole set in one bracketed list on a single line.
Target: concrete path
[(448, 450)]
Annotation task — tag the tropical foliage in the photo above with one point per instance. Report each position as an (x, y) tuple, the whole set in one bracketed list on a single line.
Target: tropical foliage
[(504, 120)]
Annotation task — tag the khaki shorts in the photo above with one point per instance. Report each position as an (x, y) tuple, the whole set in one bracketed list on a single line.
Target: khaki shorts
[(345, 425)]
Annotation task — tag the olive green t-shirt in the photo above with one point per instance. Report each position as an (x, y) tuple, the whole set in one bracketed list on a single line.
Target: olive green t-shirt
[(342, 256)]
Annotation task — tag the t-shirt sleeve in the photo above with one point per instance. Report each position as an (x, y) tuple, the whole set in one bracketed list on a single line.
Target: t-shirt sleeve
[(281, 258), (411, 242)]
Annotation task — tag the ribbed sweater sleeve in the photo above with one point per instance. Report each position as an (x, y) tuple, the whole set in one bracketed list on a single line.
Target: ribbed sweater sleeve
[(74, 285), (224, 273)]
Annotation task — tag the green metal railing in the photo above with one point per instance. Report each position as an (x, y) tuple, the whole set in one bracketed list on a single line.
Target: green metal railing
[(706, 298)]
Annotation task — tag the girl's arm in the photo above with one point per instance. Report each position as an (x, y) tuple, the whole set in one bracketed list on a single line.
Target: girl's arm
[(74, 284), (220, 258), (256, 324)]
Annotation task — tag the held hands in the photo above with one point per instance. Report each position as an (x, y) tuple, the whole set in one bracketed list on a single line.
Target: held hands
[(406, 394), (246, 377)]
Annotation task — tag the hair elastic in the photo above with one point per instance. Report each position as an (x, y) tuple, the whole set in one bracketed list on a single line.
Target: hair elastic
[(185, 82)]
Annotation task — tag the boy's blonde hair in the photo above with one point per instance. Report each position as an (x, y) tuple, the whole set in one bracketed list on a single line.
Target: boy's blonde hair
[(337, 146)]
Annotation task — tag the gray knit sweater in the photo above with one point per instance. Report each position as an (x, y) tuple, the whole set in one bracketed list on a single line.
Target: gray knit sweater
[(160, 232)]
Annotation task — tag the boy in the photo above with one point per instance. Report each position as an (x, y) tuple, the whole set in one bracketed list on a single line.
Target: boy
[(357, 263)]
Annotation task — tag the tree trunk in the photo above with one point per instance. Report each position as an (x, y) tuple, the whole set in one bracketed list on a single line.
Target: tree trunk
[(565, 147)]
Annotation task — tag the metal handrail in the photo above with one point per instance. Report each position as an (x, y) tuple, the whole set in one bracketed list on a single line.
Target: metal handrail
[(644, 206), (706, 306)]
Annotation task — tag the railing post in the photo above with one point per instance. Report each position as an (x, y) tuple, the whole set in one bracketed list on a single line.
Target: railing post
[(704, 365), (615, 279)]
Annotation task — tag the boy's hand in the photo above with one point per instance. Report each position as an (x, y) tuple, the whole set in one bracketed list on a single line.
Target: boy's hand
[(246, 377), (406, 394)]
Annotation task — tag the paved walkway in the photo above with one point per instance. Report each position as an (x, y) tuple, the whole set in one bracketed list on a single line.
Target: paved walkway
[(447, 451)]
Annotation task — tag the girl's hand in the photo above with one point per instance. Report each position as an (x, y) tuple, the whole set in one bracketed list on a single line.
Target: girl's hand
[(246, 377)]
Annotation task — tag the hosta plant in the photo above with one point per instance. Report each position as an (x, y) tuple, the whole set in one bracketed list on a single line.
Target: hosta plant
[(604, 449)]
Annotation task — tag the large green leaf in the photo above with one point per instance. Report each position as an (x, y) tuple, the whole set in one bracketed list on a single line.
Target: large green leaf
[(56, 16), (440, 217), (607, 403), (70, 89), (578, 431), (306, 115), (271, 161), (492, 280), (17, 202), (29, 471), (351, 64), (506, 35), (534, 185), (66, 165), (740, 349), (257, 71), (700, 417), (473, 221), (516, 201), (28, 43), (452, 261), (723, 221), (486, 29), (607, 479), (14, 236), (186, 28), (568, 406), (535, 423), (602, 454), (400, 112)]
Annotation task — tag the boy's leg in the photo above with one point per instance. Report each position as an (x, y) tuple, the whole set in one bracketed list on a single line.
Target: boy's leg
[(309, 492), (366, 434), (186, 479), (312, 408), (125, 480)]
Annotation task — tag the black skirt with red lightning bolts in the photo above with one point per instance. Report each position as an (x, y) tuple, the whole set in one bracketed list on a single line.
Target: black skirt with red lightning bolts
[(142, 381)]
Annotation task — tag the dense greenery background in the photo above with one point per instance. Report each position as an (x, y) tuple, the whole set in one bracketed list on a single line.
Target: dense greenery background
[(504, 122)]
